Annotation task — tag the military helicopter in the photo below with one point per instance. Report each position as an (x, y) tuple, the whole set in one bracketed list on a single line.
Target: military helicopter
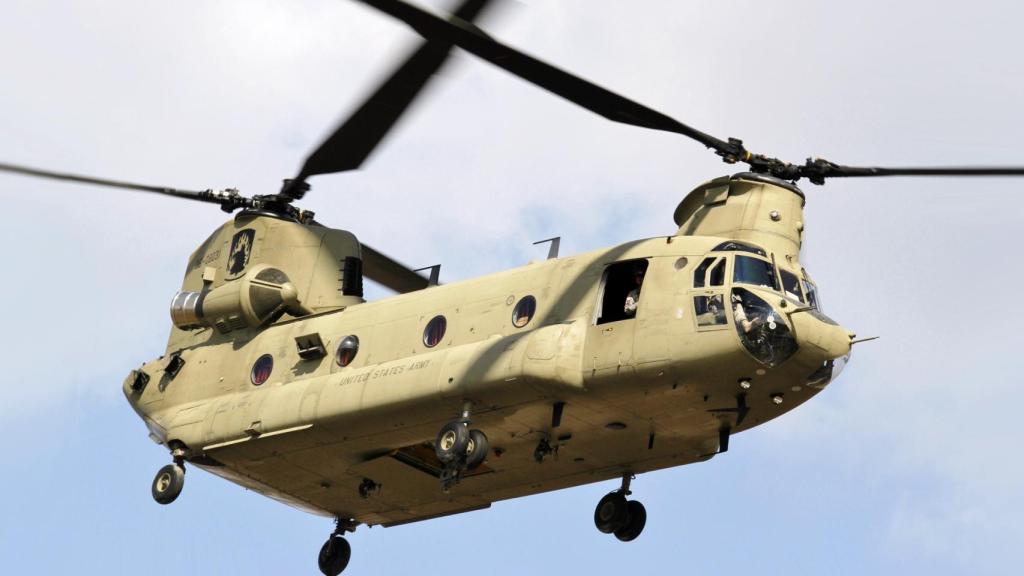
[(369, 411)]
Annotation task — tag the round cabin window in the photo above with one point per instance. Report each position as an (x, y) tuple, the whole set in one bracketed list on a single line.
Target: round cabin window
[(434, 331), (261, 369), (523, 312), (347, 349)]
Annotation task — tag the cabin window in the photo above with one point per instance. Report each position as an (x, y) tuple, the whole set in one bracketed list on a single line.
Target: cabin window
[(791, 285), (261, 369), (620, 292), (434, 332), (524, 310), (347, 350), (754, 271)]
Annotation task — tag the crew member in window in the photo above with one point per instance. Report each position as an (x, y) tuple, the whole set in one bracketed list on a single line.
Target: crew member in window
[(740, 315), (633, 298)]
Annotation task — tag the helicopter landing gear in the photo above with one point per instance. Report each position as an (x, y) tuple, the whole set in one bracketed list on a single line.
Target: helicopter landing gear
[(336, 552), (452, 442), (170, 479), (168, 483), (617, 515), (460, 449)]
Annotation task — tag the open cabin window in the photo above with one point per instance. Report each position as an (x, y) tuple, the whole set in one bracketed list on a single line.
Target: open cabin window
[(620, 291)]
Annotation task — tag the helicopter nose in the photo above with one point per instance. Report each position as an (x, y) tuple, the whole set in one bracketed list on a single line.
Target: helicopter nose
[(825, 338)]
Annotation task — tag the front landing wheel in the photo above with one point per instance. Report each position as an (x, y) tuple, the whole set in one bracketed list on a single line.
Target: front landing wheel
[(476, 449), (452, 442), (635, 524), (168, 483), (334, 556)]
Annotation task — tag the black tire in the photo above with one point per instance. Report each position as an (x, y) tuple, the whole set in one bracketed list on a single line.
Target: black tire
[(611, 513), (635, 525), (167, 483), (476, 450), (452, 441), (334, 556)]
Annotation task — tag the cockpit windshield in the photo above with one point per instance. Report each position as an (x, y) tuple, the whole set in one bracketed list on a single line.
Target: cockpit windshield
[(754, 271)]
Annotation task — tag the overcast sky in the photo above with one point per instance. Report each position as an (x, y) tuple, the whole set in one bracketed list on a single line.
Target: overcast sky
[(909, 462)]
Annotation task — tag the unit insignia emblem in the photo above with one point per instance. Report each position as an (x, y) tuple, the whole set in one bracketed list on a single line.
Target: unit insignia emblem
[(241, 248)]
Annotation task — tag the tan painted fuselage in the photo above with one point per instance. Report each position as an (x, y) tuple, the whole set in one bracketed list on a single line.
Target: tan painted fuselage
[(639, 393)]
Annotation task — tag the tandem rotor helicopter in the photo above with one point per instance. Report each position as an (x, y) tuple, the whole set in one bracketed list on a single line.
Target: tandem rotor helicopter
[(278, 376)]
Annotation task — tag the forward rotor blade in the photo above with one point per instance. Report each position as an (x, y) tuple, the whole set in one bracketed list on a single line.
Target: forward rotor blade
[(855, 171), (817, 170), (354, 140), (227, 200), (577, 90), (390, 273)]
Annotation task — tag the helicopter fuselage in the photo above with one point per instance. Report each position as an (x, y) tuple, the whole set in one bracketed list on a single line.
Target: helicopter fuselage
[(569, 387)]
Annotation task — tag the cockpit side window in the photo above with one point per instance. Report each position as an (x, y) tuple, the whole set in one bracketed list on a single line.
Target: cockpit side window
[(754, 271), (812, 294), (791, 285), (701, 272), (718, 274)]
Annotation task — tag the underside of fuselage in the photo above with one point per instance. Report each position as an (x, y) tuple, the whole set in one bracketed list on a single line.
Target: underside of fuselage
[(625, 423)]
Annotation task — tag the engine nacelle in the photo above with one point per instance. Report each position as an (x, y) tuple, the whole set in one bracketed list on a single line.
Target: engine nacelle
[(257, 298)]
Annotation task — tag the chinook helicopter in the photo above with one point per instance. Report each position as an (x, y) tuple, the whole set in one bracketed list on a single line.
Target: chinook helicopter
[(280, 378)]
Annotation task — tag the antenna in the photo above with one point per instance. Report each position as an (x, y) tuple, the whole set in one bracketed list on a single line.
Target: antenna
[(553, 249)]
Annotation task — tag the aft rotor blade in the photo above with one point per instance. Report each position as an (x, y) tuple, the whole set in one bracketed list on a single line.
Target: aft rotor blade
[(354, 140), (384, 270), (225, 199), (573, 88)]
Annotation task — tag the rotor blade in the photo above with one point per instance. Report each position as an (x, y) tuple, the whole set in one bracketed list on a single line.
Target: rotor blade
[(577, 90), (226, 200), (354, 140), (817, 170), (390, 273), (853, 171)]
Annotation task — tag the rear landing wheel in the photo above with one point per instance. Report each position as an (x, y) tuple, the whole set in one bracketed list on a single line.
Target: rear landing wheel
[(334, 556), (168, 483)]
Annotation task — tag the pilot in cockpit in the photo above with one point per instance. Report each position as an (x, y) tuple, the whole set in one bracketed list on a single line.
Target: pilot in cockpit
[(740, 315)]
